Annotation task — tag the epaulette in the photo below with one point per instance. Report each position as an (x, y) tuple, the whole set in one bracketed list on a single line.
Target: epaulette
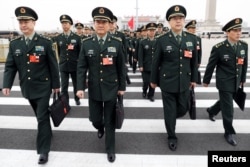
[(117, 38), (243, 42), (45, 37), (85, 39), (190, 33), (16, 38), (219, 44), (158, 36)]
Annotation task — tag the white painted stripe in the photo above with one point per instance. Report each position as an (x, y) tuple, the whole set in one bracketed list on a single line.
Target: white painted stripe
[(78, 159), (127, 102), (130, 125), (139, 89)]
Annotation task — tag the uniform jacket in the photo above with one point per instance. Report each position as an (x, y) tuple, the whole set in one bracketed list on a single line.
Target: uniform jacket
[(199, 49), (68, 51), (36, 65), (124, 42), (104, 81), (229, 73), (145, 53), (172, 68)]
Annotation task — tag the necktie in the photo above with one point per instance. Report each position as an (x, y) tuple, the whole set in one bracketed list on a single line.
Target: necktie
[(235, 47), (178, 38), (101, 42), (27, 41)]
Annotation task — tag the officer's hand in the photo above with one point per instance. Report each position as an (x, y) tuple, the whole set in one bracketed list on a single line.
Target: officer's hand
[(153, 85), (80, 94), (57, 90), (141, 69), (192, 84), (120, 92), (205, 85), (6, 91)]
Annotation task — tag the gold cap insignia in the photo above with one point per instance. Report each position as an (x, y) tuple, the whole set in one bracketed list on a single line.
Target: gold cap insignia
[(237, 21), (101, 10), (193, 22), (64, 17), (22, 10), (152, 25), (176, 8)]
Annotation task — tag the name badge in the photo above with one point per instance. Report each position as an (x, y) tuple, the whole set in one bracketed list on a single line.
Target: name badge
[(188, 53), (240, 61), (70, 47), (107, 61)]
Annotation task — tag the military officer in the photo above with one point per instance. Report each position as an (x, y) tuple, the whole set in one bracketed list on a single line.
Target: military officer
[(159, 29), (145, 54), (230, 58), (191, 28), (68, 45), (103, 57), (174, 69), (79, 30), (31, 55)]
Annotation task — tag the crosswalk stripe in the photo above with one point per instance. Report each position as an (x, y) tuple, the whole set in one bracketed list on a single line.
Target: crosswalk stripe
[(127, 102), (129, 126), (79, 159), (139, 89)]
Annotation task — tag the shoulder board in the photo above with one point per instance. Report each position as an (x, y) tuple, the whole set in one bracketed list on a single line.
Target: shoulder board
[(158, 36), (241, 41), (190, 33), (85, 39), (45, 37), (16, 38), (117, 38), (219, 44)]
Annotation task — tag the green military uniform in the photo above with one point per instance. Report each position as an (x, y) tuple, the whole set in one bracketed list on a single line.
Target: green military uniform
[(106, 76), (68, 51), (231, 68), (37, 67), (145, 54), (174, 67)]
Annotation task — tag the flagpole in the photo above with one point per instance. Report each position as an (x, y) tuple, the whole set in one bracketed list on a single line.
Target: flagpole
[(136, 19)]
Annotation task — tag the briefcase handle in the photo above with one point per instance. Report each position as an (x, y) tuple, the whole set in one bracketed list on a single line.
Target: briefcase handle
[(55, 96), (120, 98)]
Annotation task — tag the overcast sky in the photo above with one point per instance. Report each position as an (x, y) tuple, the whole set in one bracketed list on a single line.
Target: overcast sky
[(49, 11)]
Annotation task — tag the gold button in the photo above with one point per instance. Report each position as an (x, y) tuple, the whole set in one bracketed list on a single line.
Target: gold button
[(180, 65), (46, 79), (101, 71), (28, 78), (101, 79), (101, 55), (28, 70), (180, 57), (180, 72), (28, 62), (164, 75), (101, 63)]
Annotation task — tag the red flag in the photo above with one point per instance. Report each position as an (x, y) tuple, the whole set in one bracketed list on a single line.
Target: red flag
[(131, 23)]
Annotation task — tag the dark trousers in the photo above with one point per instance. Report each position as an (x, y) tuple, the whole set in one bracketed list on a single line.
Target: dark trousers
[(225, 105), (102, 115), (175, 106), (65, 83), (40, 107), (146, 88), (134, 66)]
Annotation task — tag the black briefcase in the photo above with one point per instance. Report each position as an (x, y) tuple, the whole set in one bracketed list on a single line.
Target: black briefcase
[(240, 98), (59, 108), (119, 112), (192, 104)]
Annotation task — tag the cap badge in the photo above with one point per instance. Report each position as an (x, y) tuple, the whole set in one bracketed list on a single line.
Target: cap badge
[(176, 8), (22, 10), (63, 17), (237, 21), (101, 10), (152, 25)]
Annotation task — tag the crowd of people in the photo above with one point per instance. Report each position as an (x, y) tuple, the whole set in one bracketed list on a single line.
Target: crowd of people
[(97, 58)]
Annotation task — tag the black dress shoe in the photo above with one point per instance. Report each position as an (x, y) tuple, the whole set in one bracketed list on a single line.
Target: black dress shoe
[(211, 116), (43, 158), (172, 145), (144, 95), (100, 133), (151, 99), (78, 102), (111, 157), (229, 138)]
